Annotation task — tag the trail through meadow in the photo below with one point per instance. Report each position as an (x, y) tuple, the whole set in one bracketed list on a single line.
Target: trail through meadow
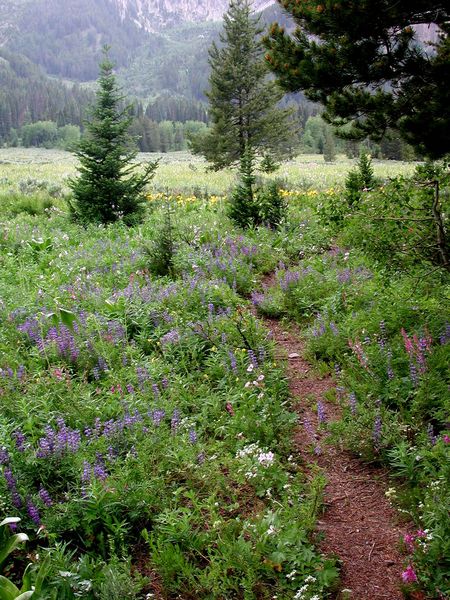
[(358, 524)]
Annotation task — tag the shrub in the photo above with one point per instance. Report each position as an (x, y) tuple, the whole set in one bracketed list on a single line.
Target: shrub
[(359, 179), (161, 252)]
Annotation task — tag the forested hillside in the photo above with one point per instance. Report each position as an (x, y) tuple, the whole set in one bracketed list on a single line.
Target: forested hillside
[(27, 95)]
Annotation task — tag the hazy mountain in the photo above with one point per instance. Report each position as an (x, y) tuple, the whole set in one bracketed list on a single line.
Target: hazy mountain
[(65, 37), (155, 15)]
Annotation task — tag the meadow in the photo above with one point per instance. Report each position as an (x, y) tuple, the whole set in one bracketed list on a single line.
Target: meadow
[(146, 423), (184, 172)]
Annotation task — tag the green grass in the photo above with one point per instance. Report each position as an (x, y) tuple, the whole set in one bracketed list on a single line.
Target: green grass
[(182, 171)]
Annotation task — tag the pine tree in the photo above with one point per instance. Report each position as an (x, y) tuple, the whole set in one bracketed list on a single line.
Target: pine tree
[(108, 187), (365, 62), (242, 97), (329, 148)]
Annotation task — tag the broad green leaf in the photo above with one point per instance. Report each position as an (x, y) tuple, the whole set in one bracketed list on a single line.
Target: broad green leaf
[(67, 317), (25, 595), (42, 574), (53, 317), (26, 580), (8, 591), (11, 544)]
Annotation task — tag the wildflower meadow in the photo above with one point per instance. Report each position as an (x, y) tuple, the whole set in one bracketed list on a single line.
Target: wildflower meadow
[(146, 427)]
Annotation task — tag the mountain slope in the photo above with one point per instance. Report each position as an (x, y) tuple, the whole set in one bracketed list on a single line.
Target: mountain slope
[(27, 95), (66, 38), (156, 15)]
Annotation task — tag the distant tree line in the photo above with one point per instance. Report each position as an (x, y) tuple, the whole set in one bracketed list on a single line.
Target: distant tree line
[(167, 136), (26, 96)]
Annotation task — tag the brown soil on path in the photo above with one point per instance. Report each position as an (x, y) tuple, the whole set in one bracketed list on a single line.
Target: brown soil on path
[(359, 525)]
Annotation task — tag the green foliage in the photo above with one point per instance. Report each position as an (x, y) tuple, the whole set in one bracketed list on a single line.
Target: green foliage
[(46, 134), (348, 70), (118, 583), (329, 149), (252, 205), (108, 189), (359, 179), (398, 223), (8, 544), (27, 95), (243, 100), (272, 206), (268, 164), (243, 208), (161, 253)]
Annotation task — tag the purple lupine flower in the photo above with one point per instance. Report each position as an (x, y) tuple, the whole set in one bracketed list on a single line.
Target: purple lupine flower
[(102, 364), (193, 436), (233, 362), (430, 431), (382, 340), (253, 359), (309, 428), (45, 497), (377, 428), (155, 390), (413, 374), (175, 421), (445, 336), (9, 478), (16, 499), (165, 383), (21, 372), (334, 328), (321, 414), (257, 298), (45, 447), (172, 337), (87, 472), (4, 456), (130, 388), (98, 426), (352, 403), (73, 440), (33, 512), (201, 458), (422, 349), (20, 440), (340, 390), (112, 454), (344, 276), (99, 470), (337, 370), (261, 355), (158, 416), (96, 373), (390, 372), (289, 279)]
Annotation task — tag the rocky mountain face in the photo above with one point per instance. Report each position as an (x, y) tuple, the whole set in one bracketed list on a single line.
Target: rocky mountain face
[(155, 15)]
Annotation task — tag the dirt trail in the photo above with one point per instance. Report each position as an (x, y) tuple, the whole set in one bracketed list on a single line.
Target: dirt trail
[(359, 525)]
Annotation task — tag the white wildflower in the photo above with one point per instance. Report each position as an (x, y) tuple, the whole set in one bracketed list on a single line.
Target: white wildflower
[(266, 458)]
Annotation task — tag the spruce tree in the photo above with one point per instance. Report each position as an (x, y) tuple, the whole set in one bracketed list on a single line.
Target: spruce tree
[(242, 97), (108, 187), (367, 64)]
